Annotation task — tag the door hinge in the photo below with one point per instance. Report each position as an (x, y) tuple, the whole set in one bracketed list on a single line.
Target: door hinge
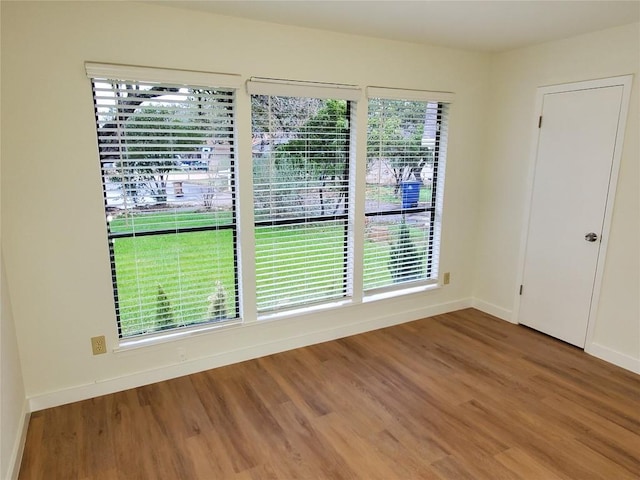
[(520, 289), (540, 121)]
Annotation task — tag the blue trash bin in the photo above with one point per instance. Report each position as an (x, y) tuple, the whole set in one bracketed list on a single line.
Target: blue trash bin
[(410, 191)]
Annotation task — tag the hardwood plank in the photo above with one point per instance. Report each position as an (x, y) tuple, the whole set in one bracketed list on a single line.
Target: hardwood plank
[(452, 468), (526, 467), (601, 434), (353, 448), (310, 450), (217, 404), (455, 396), (410, 460), (206, 462)]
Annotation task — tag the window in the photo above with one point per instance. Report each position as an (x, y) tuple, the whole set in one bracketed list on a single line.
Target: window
[(406, 149), (167, 155), (301, 174)]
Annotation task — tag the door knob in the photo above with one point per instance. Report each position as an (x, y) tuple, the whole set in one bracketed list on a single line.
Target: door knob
[(591, 237)]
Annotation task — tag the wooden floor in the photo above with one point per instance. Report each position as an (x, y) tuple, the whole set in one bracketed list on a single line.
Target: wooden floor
[(457, 396)]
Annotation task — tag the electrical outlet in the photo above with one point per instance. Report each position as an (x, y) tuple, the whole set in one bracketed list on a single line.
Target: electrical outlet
[(446, 278), (98, 345)]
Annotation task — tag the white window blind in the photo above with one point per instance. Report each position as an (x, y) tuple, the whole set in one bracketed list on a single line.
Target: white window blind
[(167, 154), (301, 194), (406, 151)]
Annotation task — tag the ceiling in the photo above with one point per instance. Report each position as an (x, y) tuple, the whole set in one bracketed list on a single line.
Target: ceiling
[(489, 26)]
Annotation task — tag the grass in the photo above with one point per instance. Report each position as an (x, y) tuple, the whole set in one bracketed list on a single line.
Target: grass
[(168, 219), (385, 193), (186, 267), (289, 256)]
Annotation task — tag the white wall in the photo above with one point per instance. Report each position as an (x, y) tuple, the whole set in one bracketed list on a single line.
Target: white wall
[(13, 403), (53, 227), (54, 233), (515, 76)]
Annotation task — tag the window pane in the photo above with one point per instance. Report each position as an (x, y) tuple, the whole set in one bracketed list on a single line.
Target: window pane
[(396, 249), (167, 159), (400, 154), (167, 281), (301, 185), (165, 149), (300, 264), (406, 142)]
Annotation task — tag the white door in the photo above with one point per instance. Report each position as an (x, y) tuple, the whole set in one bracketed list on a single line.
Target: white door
[(576, 143)]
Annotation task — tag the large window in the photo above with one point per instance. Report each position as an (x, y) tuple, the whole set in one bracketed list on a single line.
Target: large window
[(406, 146), (301, 152), (168, 157), (167, 154)]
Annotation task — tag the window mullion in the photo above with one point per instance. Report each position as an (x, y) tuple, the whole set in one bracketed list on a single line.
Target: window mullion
[(357, 182), (245, 204)]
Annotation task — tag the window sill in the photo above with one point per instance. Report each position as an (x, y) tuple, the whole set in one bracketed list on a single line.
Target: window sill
[(401, 292), (170, 336), (302, 310), (126, 345)]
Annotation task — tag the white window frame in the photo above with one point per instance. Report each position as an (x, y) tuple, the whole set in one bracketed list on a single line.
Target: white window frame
[(149, 75), (349, 93), (245, 224), (447, 98)]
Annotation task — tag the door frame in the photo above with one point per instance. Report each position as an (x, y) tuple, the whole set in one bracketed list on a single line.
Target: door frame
[(624, 81)]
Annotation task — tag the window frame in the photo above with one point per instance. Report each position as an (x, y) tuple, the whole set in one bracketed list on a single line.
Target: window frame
[(110, 73), (350, 94), (243, 222), (435, 206)]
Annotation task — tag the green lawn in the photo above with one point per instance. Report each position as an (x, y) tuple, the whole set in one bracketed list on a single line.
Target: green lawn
[(289, 256), (384, 193), (184, 268), (168, 219)]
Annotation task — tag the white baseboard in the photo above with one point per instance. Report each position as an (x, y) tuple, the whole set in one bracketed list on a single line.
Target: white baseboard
[(608, 355), (18, 448), (491, 309), (104, 387)]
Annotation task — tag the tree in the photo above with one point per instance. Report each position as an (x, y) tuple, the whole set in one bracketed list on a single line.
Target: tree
[(318, 155), (321, 144), (273, 119), (396, 130), (144, 131), (405, 263), (128, 97), (152, 142), (280, 186), (217, 303), (164, 315)]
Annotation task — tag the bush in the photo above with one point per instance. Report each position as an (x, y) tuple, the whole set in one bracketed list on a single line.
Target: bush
[(404, 259)]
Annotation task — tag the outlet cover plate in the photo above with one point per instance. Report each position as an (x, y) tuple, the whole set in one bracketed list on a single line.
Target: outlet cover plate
[(98, 345)]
